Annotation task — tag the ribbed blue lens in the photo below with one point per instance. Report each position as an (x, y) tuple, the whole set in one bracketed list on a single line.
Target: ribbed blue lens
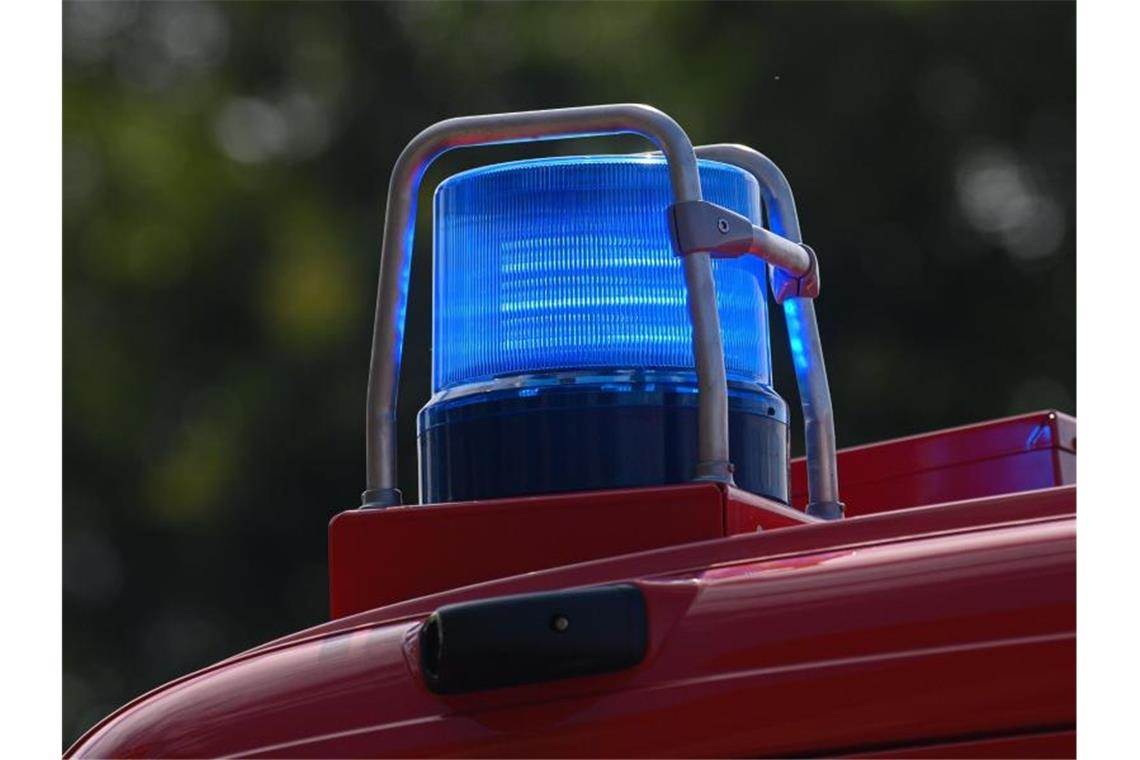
[(565, 264)]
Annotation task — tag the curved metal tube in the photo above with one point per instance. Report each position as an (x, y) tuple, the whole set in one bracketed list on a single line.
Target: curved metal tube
[(396, 256), (803, 333)]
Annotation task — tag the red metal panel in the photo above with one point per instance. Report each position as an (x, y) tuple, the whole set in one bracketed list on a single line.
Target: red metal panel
[(895, 641), (1051, 744), (746, 512), (902, 633), (378, 557), (973, 480), (1021, 453), (381, 556), (846, 534)]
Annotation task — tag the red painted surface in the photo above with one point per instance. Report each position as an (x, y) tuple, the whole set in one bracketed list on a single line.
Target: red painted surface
[(919, 628), (437, 547), (1021, 453), (382, 556), (902, 525), (1049, 744), (945, 630), (745, 512)]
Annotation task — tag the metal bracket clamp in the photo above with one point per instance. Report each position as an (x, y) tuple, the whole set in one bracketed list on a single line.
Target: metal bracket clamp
[(701, 226), (396, 253), (806, 285)]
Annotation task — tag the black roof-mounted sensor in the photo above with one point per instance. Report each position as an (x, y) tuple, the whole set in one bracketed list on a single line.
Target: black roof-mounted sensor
[(529, 638)]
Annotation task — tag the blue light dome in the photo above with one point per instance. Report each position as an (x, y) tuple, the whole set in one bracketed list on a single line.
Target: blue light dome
[(563, 357), (565, 264)]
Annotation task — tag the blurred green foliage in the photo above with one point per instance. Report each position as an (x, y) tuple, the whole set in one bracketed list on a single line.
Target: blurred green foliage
[(225, 168)]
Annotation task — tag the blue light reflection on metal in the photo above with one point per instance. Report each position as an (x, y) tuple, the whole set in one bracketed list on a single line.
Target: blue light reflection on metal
[(795, 331), (792, 306), (1039, 436), (405, 283), (566, 264)]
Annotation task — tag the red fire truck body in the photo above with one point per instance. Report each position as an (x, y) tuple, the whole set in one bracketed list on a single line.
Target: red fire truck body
[(938, 619)]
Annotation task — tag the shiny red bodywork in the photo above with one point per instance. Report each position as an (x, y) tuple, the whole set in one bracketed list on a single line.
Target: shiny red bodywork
[(448, 545), (1037, 450), (945, 630)]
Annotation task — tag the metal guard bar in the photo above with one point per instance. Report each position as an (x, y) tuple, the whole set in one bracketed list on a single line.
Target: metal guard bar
[(803, 333), (396, 256)]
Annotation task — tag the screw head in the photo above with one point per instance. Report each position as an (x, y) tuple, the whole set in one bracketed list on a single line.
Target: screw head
[(559, 623), (722, 225)]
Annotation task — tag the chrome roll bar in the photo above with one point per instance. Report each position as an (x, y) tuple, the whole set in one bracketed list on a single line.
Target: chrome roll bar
[(793, 268), (396, 255)]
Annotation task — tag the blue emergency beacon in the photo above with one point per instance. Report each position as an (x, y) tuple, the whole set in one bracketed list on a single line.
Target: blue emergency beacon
[(562, 348)]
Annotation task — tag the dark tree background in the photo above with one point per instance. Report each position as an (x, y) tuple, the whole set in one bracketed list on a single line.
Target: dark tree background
[(225, 169)]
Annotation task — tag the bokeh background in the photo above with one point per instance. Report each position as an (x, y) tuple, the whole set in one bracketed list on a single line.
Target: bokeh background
[(225, 169)]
